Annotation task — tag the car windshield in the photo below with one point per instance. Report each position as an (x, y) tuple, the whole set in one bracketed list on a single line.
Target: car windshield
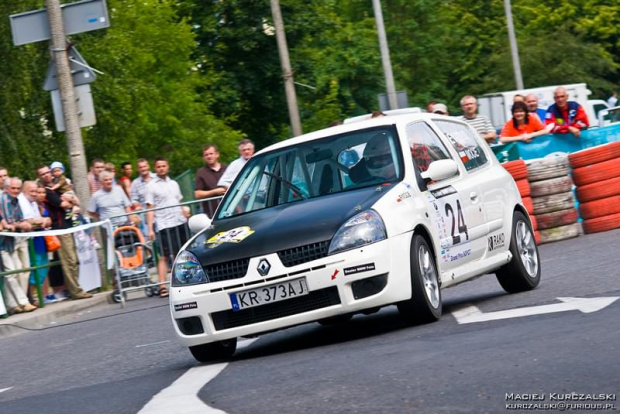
[(315, 168)]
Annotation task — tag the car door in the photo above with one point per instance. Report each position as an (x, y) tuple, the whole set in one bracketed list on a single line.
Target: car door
[(454, 209)]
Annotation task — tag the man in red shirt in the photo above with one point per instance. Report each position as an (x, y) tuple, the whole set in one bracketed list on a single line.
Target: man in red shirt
[(566, 116)]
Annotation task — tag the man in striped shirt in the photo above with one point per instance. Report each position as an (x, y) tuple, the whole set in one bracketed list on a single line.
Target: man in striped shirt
[(482, 124)]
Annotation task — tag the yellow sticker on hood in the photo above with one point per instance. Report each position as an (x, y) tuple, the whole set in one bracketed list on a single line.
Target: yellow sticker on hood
[(235, 235)]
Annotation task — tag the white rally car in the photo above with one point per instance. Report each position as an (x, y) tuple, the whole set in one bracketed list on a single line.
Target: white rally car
[(349, 219)]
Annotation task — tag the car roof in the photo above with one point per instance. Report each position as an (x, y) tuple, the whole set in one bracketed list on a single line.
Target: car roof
[(351, 127)]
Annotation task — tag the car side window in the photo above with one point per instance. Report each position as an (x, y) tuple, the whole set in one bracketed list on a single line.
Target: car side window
[(425, 145), (465, 143)]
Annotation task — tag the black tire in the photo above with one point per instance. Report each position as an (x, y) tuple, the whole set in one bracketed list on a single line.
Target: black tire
[(336, 320), (214, 351), (425, 304), (522, 273), (116, 296)]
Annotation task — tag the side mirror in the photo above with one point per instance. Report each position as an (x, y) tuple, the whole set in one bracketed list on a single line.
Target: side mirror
[(198, 222), (440, 170)]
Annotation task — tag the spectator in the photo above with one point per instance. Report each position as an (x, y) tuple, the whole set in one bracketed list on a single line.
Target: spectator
[(523, 126), (518, 98), (93, 176), (139, 184), (613, 100), (566, 116), (172, 230), (61, 182), (110, 201), (531, 100), (430, 106), (377, 114), (207, 178), (4, 174), (246, 150), (440, 109), (111, 168), (29, 206), (56, 205), (125, 180), (14, 216), (480, 123), (14, 251)]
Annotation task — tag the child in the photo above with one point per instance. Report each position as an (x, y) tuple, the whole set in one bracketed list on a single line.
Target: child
[(63, 185), (61, 182)]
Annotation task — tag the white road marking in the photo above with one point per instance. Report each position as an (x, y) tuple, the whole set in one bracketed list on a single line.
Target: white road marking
[(182, 395), (5, 389), (154, 343), (472, 314)]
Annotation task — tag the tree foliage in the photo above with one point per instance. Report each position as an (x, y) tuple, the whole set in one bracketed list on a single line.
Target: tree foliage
[(180, 73)]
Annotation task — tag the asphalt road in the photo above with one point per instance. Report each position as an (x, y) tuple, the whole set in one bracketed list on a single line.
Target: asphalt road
[(114, 360)]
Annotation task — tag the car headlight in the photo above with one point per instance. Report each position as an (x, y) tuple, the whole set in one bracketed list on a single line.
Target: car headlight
[(361, 229), (187, 270)]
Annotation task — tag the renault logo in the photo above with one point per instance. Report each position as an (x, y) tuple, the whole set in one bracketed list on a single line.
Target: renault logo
[(263, 267)]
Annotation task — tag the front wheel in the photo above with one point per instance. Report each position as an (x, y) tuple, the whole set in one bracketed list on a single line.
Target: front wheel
[(214, 351), (523, 271), (425, 304)]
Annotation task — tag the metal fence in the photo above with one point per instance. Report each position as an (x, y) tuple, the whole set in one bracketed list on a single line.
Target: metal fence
[(138, 259)]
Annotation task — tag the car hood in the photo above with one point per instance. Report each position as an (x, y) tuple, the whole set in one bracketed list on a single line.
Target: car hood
[(283, 227)]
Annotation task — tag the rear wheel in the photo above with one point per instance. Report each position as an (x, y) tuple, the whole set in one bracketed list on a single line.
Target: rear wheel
[(214, 351), (425, 304), (523, 271)]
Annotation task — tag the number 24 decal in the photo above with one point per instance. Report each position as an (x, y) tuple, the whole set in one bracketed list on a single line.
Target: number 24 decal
[(462, 227)]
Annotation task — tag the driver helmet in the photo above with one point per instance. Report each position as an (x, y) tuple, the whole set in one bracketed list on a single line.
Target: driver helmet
[(378, 157)]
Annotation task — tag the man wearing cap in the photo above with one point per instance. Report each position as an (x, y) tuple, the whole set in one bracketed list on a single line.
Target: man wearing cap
[(440, 109), (482, 124)]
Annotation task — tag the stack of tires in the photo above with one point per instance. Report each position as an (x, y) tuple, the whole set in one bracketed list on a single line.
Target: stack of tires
[(518, 170), (596, 172), (552, 198)]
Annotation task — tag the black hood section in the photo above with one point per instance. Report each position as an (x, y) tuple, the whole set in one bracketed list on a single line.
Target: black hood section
[(283, 227)]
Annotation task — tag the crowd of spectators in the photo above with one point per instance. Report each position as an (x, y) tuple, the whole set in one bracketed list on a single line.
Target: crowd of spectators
[(528, 121)]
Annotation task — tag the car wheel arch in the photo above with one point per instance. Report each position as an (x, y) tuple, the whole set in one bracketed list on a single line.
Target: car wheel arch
[(424, 232)]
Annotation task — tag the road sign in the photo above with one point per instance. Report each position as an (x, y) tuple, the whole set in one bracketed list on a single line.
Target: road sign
[(83, 16), (86, 109), (80, 71)]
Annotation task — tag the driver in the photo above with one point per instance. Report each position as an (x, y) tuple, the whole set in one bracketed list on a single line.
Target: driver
[(378, 157)]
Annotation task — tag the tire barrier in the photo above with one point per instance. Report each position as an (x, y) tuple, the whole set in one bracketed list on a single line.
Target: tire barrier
[(534, 222), (598, 208), (524, 187), (599, 190), (557, 218), (560, 233), (603, 223), (537, 237), (597, 172), (517, 169), (597, 176), (552, 199), (546, 168), (554, 202), (551, 186), (529, 206), (595, 155)]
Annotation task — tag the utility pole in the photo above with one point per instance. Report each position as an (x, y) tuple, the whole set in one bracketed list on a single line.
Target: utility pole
[(514, 50), (77, 156), (385, 56), (287, 73)]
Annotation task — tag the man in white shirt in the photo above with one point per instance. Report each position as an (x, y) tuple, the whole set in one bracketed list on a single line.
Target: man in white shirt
[(246, 150), (172, 229)]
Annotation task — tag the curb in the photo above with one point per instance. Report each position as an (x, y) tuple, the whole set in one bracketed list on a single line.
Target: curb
[(44, 317)]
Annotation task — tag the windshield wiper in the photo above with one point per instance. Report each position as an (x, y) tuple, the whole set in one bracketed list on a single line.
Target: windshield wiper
[(289, 184)]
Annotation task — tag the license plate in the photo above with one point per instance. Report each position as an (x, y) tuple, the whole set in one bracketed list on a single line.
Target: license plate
[(269, 294)]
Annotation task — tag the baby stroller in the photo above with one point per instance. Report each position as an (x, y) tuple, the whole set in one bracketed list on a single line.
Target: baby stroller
[(132, 255)]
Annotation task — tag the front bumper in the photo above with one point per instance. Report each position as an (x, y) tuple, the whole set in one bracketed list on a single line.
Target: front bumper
[(368, 277)]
